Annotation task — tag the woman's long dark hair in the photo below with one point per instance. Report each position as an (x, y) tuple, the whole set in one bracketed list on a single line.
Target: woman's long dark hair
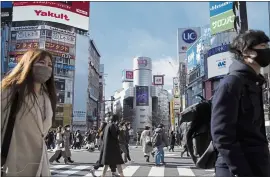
[(20, 80)]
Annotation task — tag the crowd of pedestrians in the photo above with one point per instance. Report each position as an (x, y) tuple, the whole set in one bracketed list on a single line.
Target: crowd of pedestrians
[(237, 128)]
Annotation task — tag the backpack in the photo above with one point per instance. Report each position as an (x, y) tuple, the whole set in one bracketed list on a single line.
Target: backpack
[(200, 130), (157, 139)]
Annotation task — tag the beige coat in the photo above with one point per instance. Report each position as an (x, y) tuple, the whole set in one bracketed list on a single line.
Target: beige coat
[(27, 153)]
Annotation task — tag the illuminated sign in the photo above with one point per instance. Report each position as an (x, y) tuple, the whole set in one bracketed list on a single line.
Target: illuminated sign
[(56, 47), (27, 45)]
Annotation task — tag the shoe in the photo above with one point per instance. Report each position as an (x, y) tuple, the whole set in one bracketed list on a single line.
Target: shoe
[(147, 159), (57, 161), (114, 174), (69, 160)]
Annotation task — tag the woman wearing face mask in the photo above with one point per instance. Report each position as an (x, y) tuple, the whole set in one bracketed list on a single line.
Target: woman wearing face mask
[(29, 86)]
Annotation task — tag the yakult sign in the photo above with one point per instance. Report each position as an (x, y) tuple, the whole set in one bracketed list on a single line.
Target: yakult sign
[(186, 37), (71, 13)]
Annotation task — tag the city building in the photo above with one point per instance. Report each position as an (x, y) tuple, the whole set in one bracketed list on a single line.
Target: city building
[(94, 100), (56, 35), (140, 101)]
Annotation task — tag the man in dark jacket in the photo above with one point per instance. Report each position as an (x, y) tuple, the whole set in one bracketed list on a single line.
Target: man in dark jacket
[(238, 123)]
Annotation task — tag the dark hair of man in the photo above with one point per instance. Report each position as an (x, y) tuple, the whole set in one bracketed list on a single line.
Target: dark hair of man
[(247, 40), (114, 118)]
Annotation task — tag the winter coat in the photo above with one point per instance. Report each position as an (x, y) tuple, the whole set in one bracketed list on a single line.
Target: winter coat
[(165, 142), (111, 149), (27, 152), (238, 123), (146, 134), (66, 140), (172, 140)]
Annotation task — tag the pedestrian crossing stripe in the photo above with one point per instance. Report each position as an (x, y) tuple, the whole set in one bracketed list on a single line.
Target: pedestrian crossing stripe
[(129, 171)]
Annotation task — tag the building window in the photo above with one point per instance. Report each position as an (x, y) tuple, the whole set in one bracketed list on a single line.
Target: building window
[(68, 94)]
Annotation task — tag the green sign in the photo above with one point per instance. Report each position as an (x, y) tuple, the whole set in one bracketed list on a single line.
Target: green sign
[(222, 22)]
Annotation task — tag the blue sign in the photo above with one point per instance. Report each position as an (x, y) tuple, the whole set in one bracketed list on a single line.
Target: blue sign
[(189, 36), (219, 7), (221, 64), (6, 4), (64, 66), (194, 55), (219, 49)]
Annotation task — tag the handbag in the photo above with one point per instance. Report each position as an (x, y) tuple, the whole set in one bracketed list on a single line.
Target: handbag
[(208, 159), (8, 133)]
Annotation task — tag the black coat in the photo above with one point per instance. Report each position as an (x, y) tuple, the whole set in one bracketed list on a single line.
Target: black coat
[(238, 124), (111, 154), (172, 140)]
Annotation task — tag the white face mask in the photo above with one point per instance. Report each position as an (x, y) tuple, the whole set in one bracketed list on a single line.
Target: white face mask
[(68, 129)]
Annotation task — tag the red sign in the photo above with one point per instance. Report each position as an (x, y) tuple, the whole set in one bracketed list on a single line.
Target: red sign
[(52, 14), (27, 45), (56, 47), (79, 7), (129, 74), (142, 62)]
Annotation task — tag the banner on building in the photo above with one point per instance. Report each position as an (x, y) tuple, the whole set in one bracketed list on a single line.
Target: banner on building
[(63, 38), (28, 35), (56, 47), (172, 114), (221, 16), (71, 13), (158, 79), (27, 45), (43, 27), (176, 90)]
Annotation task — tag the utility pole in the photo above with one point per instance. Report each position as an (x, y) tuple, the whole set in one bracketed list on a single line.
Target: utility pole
[(112, 100)]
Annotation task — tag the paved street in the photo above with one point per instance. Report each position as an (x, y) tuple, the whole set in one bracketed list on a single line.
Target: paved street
[(176, 166)]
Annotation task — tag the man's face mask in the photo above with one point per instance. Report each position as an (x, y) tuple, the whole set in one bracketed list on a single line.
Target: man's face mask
[(263, 57)]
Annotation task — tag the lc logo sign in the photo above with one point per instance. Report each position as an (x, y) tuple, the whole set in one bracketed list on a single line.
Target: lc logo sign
[(189, 36)]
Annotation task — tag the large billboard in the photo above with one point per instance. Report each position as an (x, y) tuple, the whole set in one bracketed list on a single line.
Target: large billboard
[(71, 13), (186, 37), (221, 16), (176, 90), (218, 61), (142, 96)]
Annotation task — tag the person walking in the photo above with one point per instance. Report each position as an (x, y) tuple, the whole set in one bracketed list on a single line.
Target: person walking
[(59, 148), (28, 103), (172, 141), (111, 150), (98, 163), (146, 143), (237, 120), (160, 141)]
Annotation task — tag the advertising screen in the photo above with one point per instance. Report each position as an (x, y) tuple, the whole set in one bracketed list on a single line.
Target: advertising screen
[(142, 96), (73, 13)]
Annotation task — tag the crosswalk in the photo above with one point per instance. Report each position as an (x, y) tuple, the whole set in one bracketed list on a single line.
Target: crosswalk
[(130, 170)]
